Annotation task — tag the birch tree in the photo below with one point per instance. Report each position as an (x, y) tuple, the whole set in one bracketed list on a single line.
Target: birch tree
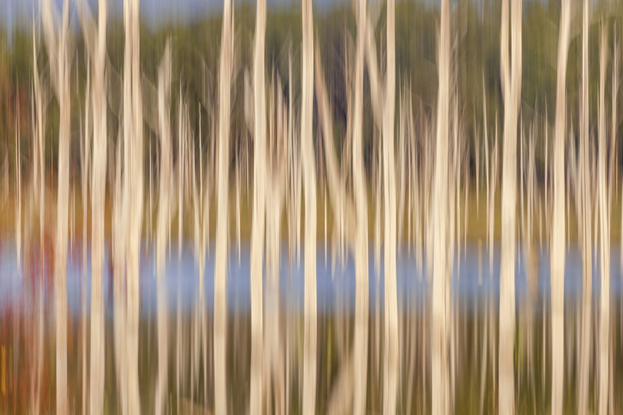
[(585, 222), (259, 209), (557, 260), (132, 190), (96, 45), (383, 96), (163, 224), (361, 228), (440, 233), (220, 260), (604, 232), (59, 53), (308, 159), (390, 365), (511, 90), (350, 220)]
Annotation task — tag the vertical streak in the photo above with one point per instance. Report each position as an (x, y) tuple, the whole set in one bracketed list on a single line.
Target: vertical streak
[(391, 348), (557, 264), (440, 273), (361, 231), (511, 86), (585, 215), (604, 215), (220, 262), (259, 209), (309, 184)]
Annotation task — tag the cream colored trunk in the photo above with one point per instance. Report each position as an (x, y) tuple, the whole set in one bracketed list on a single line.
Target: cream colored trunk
[(58, 45), (391, 343), (557, 252), (585, 221), (220, 259), (309, 187), (163, 223), (360, 353), (604, 233), (439, 211), (259, 209), (511, 88)]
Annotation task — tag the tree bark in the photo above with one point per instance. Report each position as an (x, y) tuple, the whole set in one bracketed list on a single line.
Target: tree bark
[(259, 209), (511, 88), (604, 215), (58, 46), (309, 187), (440, 273), (220, 262), (557, 260)]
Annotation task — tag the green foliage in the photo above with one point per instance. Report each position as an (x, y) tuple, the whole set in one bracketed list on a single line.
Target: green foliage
[(195, 47)]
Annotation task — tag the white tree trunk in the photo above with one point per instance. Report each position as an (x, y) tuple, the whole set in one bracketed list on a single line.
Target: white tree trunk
[(361, 230), (604, 216), (220, 260), (511, 88), (391, 347), (133, 200), (440, 272), (58, 46), (259, 208), (163, 222), (557, 256), (308, 159)]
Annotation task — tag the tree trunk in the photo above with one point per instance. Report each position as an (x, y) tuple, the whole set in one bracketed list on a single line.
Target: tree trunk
[(133, 206), (259, 208), (440, 274), (604, 215), (163, 223), (557, 260), (361, 231), (309, 185), (511, 87), (391, 348), (60, 68), (220, 260)]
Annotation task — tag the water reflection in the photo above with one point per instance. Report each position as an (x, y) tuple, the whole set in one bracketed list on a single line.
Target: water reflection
[(176, 366)]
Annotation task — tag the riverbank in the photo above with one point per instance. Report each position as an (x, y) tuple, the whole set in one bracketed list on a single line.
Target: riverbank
[(476, 218)]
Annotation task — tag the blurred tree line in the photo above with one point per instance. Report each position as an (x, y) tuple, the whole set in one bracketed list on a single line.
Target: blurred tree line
[(195, 47)]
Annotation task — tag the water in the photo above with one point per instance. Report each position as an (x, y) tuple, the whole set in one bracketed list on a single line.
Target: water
[(473, 322), (182, 278)]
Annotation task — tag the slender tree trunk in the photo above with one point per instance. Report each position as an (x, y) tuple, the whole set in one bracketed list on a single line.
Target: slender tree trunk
[(220, 261), (259, 207), (133, 206), (557, 262), (604, 216), (98, 189), (308, 159), (585, 213), (60, 68), (511, 87), (163, 223), (391, 348), (440, 273), (361, 232)]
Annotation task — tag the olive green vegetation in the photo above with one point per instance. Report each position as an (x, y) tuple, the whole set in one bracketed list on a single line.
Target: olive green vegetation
[(476, 218), (195, 54)]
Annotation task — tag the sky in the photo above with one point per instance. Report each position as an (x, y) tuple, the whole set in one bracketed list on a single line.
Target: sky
[(152, 11)]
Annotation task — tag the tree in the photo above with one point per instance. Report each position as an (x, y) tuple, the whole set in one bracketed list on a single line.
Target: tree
[(557, 260), (59, 54), (511, 90)]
